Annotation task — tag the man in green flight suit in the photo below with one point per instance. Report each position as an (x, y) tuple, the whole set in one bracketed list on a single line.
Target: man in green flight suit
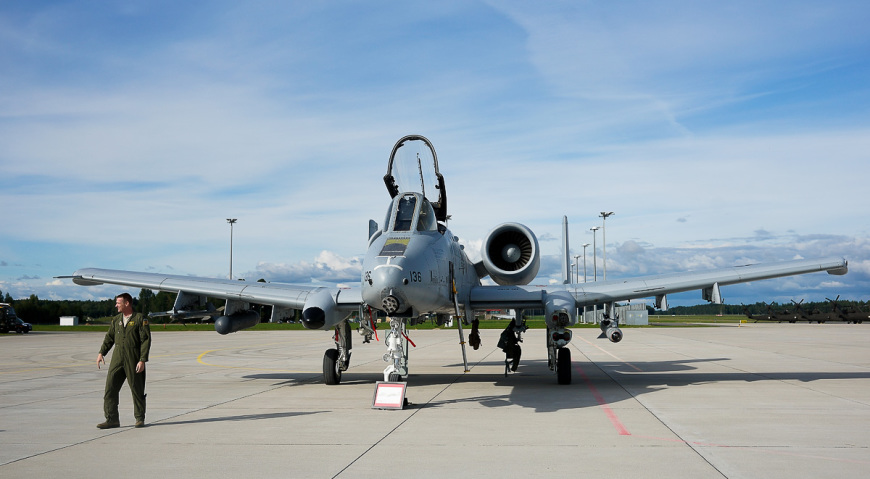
[(131, 336)]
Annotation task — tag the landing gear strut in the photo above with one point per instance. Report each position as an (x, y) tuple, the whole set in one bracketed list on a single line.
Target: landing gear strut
[(337, 360), (397, 351)]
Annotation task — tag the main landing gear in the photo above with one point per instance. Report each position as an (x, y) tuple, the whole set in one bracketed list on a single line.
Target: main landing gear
[(558, 353), (337, 360), (563, 366)]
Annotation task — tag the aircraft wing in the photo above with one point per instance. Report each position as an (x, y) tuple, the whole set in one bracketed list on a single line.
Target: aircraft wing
[(282, 295), (587, 294)]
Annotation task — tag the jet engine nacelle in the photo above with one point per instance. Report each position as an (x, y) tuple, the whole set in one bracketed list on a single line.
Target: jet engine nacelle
[(511, 255), (236, 322), (320, 311)]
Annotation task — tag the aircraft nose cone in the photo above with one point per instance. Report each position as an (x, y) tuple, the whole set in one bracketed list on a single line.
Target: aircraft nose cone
[(387, 278), (387, 289)]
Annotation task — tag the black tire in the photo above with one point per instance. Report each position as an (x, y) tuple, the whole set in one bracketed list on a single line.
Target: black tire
[(395, 378), (331, 367), (563, 366)]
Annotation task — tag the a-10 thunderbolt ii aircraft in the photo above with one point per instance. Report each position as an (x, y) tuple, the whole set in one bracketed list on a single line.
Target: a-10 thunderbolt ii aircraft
[(415, 266)]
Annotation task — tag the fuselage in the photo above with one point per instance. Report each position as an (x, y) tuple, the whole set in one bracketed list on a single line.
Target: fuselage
[(413, 261)]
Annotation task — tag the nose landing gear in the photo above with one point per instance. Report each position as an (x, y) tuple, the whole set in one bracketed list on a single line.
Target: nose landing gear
[(397, 352)]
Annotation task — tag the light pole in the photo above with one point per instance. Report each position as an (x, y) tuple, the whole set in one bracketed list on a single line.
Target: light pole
[(604, 216), (594, 254), (577, 270), (231, 221), (584, 261)]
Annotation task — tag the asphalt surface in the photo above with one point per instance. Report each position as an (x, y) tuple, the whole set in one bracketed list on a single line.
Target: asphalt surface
[(757, 401)]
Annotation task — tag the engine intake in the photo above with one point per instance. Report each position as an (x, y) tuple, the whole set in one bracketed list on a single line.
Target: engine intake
[(511, 255)]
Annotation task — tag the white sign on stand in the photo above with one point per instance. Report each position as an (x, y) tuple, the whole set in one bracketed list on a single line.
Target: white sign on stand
[(389, 395)]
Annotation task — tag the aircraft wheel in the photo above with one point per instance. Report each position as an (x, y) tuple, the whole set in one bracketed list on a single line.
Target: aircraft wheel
[(563, 366), (331, 367), (395, 377)]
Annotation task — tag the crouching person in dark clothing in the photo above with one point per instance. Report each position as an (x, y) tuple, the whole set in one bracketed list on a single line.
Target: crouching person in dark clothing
[(509, 342)]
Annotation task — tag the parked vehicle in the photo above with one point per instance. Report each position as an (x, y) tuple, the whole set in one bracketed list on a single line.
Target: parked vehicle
[(9, 321)]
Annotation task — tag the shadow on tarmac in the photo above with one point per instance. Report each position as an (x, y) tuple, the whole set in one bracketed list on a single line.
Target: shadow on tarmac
[(534, 385), (243, 417)]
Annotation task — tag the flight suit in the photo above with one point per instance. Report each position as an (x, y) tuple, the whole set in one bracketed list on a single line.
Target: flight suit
[(132, 344)]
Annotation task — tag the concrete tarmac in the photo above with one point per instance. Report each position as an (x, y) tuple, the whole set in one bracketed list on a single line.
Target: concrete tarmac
[(757, 401)]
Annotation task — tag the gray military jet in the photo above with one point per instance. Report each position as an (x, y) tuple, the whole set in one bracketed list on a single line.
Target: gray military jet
[(415, 266)]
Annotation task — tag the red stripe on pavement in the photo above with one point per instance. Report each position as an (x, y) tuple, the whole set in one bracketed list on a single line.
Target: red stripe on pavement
[(620, 428)]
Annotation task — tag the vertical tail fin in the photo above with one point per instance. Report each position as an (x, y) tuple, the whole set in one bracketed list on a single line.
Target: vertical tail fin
[(566, 253)]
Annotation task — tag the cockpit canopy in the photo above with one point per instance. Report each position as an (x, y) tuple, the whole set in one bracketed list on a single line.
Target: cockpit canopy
[(411, 212), (413, 168)]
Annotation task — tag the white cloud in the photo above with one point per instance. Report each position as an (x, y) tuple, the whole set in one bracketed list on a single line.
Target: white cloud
[(327, 267)]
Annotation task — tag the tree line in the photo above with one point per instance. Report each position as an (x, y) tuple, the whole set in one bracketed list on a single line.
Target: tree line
[(758, 308), (43, 311)]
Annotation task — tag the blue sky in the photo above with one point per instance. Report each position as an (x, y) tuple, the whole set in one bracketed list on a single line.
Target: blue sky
[(720, 133)]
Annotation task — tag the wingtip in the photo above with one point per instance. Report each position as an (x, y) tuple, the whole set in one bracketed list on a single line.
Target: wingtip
[(80, 280), (840, 270)]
